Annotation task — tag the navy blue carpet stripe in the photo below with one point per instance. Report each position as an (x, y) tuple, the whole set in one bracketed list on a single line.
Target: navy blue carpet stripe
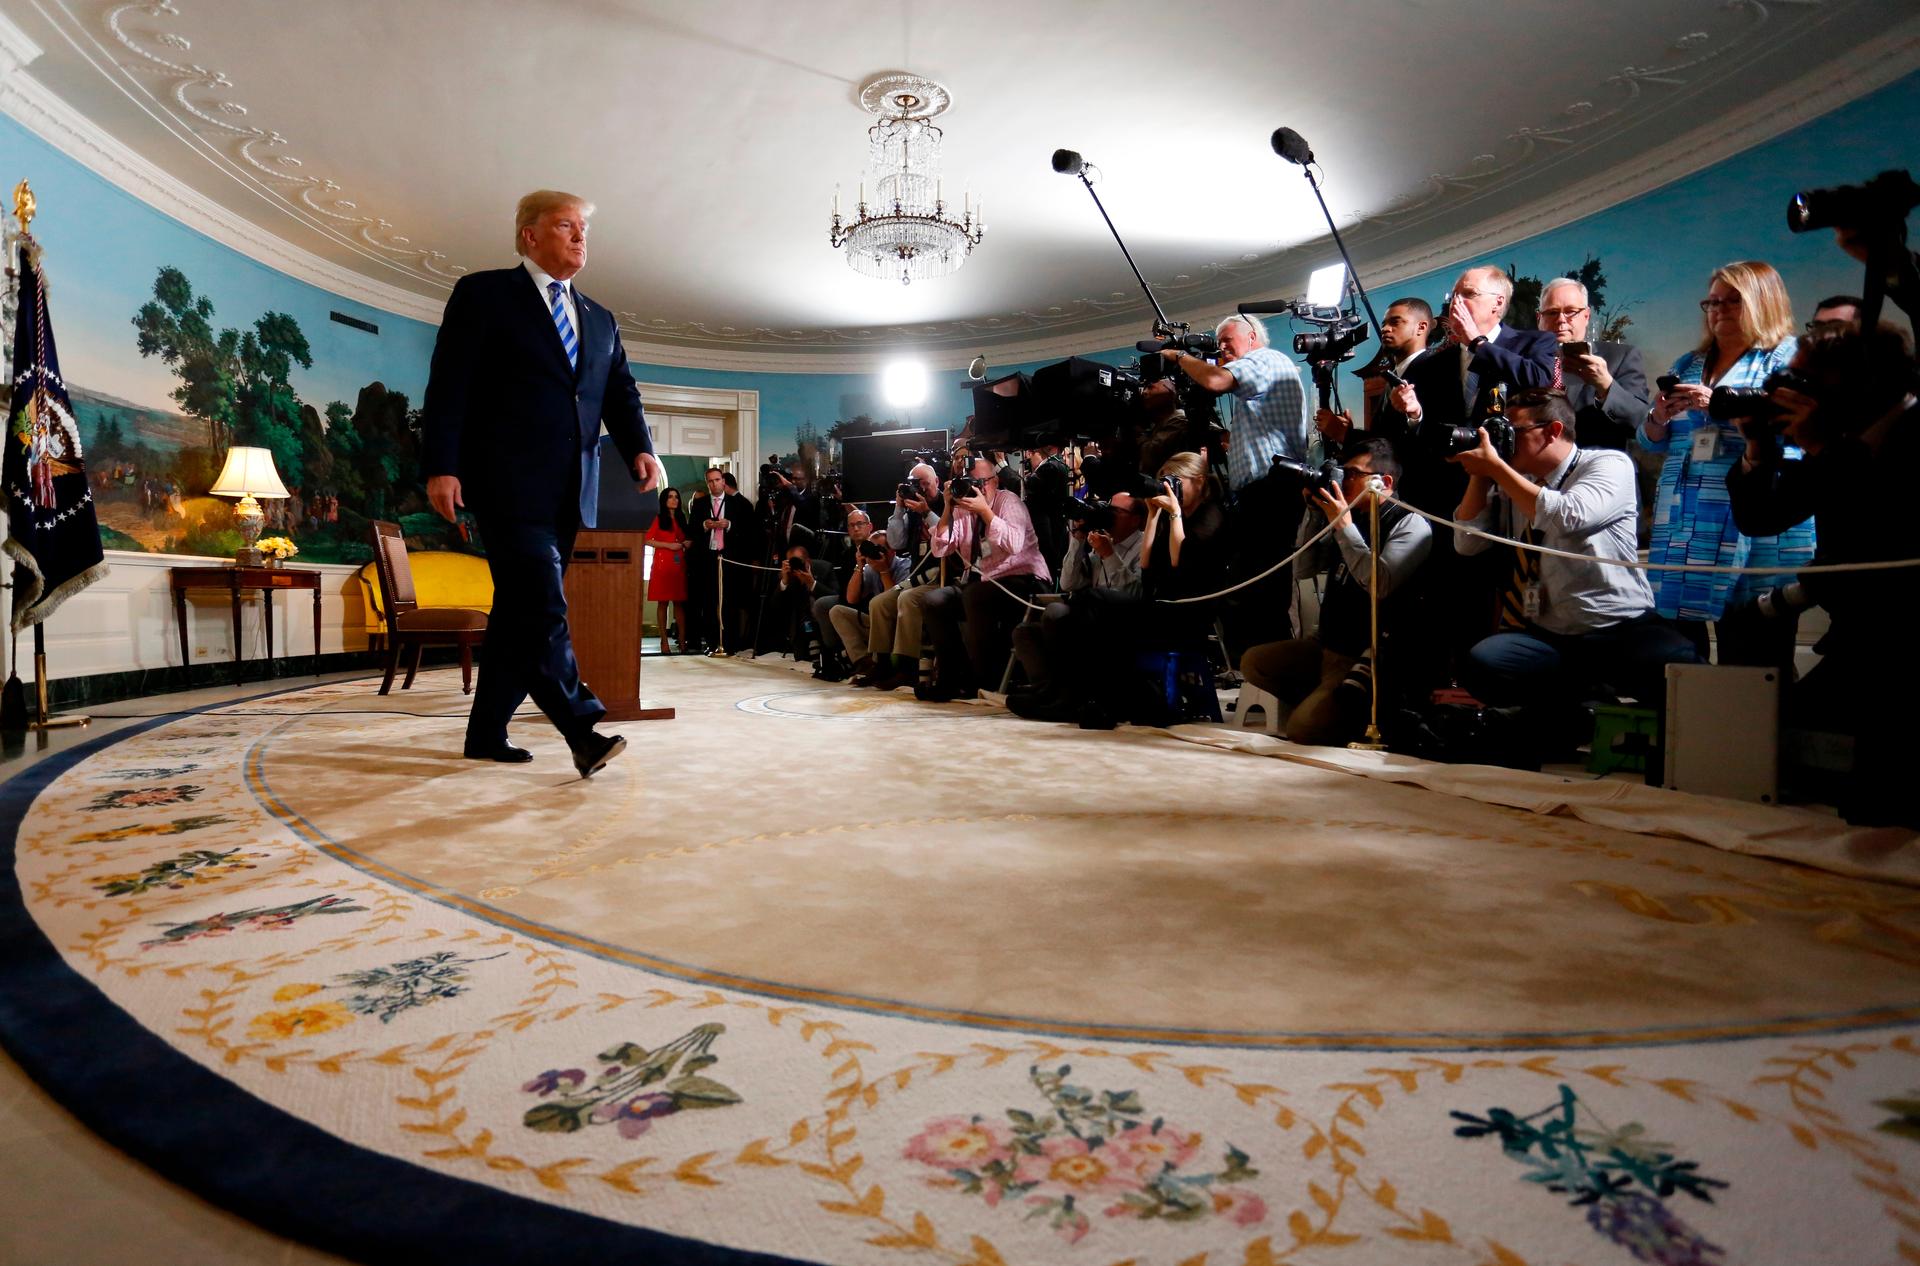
[(205, 1133)]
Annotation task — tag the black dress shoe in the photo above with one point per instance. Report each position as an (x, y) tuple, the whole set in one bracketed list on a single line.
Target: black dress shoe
[(595, 751), (505, 752)]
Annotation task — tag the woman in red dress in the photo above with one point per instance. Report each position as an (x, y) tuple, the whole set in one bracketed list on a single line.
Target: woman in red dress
[(668, 580)]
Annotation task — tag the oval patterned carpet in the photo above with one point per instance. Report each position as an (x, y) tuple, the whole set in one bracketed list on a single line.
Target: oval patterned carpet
[(827, 976)]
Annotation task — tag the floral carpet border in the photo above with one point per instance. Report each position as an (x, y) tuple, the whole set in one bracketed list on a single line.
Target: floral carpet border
[(292, 1178)]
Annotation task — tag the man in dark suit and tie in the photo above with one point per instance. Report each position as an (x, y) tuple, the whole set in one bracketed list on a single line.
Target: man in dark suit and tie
[(1403, 340), (525, 371), (721, 524), (1453, 384), (1607, 384)]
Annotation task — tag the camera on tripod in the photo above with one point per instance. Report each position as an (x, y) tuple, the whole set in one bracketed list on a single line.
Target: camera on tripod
[(773, 479), (1336, 343)]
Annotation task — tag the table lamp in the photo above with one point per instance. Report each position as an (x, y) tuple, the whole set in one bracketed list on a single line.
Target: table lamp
[(249, 473)]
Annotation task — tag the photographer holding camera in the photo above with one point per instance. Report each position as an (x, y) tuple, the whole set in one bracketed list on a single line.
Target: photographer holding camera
[(1403, 340), (832, 665), (1103, 557), (1316, 675), (1586, 624), (1847, 402), (1049, 490), (1268, 400), (895, 628), (803, 580), (849, 615), (987, 526)]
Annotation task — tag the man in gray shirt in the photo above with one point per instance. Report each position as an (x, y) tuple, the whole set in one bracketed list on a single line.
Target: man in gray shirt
[(1589, 627)]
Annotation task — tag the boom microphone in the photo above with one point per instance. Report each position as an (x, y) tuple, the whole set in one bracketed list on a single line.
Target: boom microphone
[(1068, 162), (1287, 143), (1268, 308)]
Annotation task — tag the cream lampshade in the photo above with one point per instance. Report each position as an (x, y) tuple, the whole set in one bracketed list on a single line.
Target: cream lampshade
[(248, 474)]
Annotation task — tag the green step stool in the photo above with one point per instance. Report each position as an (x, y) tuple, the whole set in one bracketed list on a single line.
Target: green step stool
[(1622, 737)]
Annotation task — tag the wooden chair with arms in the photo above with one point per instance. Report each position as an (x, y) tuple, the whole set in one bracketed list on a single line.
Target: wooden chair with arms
[(411, 625)]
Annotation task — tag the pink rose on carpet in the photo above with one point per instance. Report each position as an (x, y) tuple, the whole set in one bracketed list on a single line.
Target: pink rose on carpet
[(958, 1143), (1144, 1152), (1067, 1165), (1243, 1207)]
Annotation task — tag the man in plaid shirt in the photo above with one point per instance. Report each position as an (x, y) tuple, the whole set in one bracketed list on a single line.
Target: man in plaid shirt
[(1269, 402)]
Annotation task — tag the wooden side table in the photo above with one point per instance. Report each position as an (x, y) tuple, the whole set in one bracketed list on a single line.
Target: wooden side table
[(237, 580)]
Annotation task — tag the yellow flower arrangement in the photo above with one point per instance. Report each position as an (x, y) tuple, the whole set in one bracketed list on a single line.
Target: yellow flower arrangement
[(279, 547)]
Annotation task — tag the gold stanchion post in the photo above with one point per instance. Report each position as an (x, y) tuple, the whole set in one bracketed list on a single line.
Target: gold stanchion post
[(719, 650), (1372, 741)]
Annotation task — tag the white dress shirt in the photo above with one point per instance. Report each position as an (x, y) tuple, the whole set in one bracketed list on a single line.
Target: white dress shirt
[(542, 280)]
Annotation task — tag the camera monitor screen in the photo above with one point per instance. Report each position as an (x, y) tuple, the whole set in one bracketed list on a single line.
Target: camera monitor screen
[(873, 465)]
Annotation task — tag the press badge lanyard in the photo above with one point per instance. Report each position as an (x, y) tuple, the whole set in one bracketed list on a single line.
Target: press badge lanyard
[(1530, 596)]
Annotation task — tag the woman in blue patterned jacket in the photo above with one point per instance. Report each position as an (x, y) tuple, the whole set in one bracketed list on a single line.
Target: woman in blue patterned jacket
[(1748, 323)]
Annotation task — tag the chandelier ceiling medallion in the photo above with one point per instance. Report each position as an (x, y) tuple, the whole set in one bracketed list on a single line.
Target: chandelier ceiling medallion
[(906, 232)]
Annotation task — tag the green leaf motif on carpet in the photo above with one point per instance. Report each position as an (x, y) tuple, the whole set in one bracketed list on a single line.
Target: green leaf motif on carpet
[(1621, 1176), (618, 1097)]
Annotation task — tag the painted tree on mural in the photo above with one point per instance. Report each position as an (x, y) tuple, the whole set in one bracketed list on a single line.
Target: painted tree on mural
[(1609, 323), (238, 383)]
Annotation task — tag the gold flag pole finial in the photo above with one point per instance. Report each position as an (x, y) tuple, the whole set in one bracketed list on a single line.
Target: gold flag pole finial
[(23, 205)]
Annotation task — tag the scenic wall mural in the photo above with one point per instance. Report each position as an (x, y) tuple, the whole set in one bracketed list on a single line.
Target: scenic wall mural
[(175, 346)]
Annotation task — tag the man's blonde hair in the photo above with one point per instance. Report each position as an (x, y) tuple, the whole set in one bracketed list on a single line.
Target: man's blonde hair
[(1766, 314), (537, 204)]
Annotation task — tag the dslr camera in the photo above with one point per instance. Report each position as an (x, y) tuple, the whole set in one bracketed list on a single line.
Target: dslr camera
[(871, 551), (1499, 429), (1730, 403), (963, 486), (1326, 477)]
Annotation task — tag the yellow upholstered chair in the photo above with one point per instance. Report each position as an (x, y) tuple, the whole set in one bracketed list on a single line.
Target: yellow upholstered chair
[(411, 624)]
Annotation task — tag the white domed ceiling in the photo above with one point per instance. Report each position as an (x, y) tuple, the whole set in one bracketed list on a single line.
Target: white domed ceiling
[(390, 139)]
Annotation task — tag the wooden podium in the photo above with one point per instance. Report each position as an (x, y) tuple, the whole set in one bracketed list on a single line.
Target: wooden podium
[(606, 597)]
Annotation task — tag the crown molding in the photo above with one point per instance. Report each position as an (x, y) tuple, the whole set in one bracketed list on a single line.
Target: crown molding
[(37, 108), (1108, 323)]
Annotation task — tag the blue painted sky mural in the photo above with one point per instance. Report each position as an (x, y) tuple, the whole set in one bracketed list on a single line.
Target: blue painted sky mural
[(105, 250)]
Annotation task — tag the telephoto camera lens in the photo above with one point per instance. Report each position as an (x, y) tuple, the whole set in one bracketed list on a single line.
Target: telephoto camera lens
[(1886, 199), (1729, 403), (1324, 477)]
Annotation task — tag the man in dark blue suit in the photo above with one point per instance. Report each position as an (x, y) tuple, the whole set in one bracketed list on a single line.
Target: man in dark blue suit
[(525, 371)]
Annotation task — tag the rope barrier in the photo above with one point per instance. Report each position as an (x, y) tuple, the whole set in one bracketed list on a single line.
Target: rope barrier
[(1635, 564)]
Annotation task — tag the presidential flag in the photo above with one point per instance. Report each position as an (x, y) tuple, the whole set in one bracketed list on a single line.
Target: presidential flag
[(53, 537)]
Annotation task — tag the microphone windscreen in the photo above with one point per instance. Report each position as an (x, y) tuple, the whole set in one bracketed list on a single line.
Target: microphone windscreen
[(1292, 146), (1067, 162)]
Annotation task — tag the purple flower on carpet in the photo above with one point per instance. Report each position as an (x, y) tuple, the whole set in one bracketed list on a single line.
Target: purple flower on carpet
[(635, 1116), (554, 1079)]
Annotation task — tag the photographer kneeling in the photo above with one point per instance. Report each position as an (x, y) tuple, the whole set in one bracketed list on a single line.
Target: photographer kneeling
[(895, 615), (1847, 402), (1588, 625), (1103, 559), (985, 525), (1309, 673)]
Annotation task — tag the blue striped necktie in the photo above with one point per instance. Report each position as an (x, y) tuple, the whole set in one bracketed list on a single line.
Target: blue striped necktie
[(560, 322)]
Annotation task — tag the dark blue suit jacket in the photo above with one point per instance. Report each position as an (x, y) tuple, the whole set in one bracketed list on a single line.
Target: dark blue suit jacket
[(506, 413), (1522, 358)]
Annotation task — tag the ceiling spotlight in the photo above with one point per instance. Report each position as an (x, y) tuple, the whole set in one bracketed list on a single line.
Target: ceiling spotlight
[(904, 384)]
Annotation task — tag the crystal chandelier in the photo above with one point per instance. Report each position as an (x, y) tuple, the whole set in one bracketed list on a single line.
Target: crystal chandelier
[(906, 232)]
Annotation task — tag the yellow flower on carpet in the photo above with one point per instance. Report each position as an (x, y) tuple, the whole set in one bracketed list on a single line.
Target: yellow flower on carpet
[(289, 993), (277, 1026)]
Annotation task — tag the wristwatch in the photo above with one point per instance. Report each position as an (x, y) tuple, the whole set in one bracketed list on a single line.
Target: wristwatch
[(1476, 342)]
